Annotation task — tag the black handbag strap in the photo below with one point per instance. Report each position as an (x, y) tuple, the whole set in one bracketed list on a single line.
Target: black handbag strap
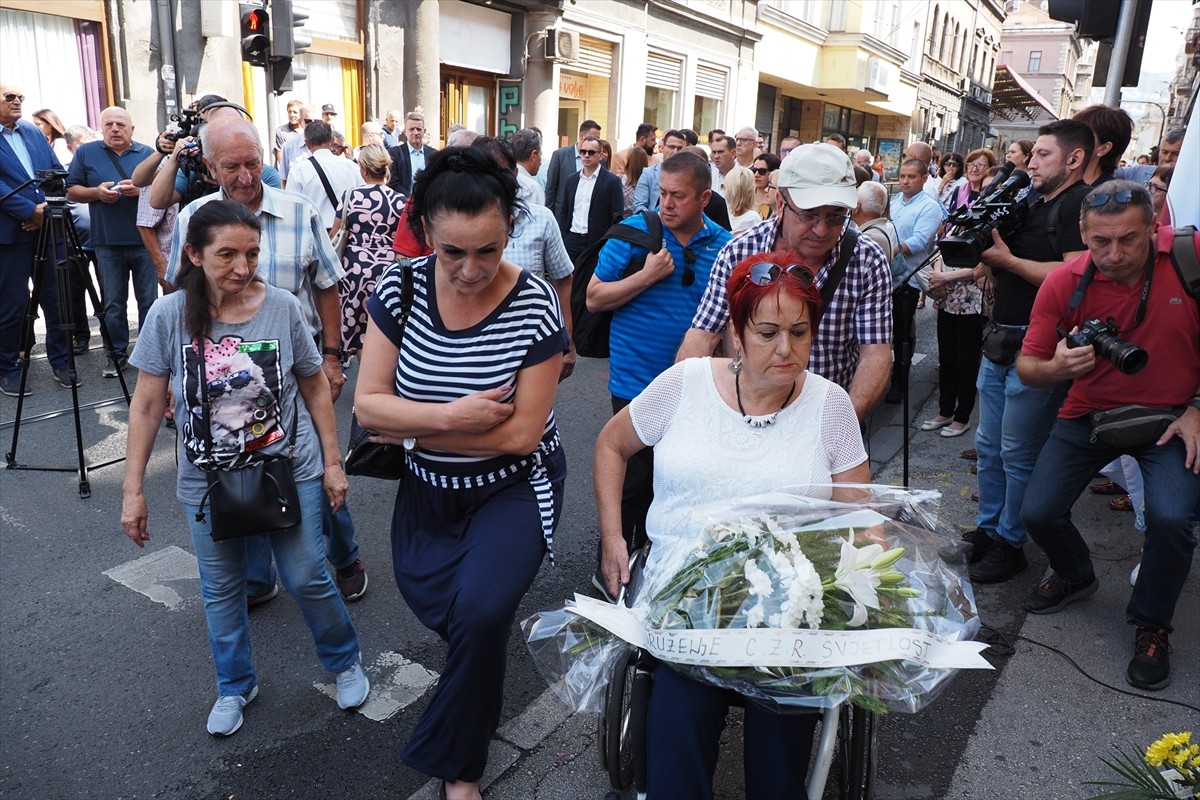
[(206, 404), (838, 271), (116, 162), (324, 182)]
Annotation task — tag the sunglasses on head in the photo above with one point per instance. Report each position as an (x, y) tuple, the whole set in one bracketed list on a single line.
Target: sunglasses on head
[(760, 170), (765, 273), (1121, 198), (8, 98)]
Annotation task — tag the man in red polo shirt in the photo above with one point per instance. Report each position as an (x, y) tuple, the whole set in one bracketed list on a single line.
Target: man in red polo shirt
[(1127, 282)]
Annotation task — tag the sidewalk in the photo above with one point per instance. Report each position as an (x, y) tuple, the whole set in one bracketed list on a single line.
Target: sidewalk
[(1042, 729)]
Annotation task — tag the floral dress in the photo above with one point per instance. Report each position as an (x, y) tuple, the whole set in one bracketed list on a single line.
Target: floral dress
[(370, 215)]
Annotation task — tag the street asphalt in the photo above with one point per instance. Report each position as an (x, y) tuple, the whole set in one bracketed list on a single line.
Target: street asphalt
[(107, 678)]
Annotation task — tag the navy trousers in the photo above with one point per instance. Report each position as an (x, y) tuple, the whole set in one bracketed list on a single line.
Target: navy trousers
[(463, 560), (683, 734)]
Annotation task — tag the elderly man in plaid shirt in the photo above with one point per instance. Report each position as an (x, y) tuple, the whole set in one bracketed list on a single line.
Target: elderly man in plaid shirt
[(853, 343), (296, 256)]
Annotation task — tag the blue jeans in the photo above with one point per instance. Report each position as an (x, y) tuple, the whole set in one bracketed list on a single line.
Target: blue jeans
[(341, 548), (300, 555), (16, 267), (1068, 462), (115, 264), (1014, 421)]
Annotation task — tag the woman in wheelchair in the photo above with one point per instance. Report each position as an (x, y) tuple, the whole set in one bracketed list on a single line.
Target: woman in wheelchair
[(720, 429)]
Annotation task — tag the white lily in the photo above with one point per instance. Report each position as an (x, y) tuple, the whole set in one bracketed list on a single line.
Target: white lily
[(857, 576)]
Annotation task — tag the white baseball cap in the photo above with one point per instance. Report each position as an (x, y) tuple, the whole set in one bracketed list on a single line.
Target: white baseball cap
[(818, 175)]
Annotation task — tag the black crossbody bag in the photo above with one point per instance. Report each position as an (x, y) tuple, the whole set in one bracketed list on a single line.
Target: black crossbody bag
[(260, 497), (384, 461)]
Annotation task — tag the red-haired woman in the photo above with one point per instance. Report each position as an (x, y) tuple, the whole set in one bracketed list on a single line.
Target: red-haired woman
[(718, 426)]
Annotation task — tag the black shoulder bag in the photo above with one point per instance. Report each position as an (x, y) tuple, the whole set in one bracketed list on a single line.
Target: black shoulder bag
[(385, 461), (260, 497), (833, 278)]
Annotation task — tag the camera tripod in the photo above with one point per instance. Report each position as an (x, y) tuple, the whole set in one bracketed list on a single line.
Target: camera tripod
[(58, 249)]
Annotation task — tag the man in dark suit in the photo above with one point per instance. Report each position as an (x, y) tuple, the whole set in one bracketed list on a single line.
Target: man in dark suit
[(409, 158), (566, 162), (592, 201), (23, 151)]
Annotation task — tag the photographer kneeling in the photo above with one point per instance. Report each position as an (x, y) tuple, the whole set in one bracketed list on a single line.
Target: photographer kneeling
[(1104, 299)]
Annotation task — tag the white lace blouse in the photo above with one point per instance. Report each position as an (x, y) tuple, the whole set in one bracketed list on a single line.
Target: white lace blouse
[(705, 452)]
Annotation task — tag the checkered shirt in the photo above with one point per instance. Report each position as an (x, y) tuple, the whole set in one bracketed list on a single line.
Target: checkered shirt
[(859, 313), (296, 254), (536, 244)]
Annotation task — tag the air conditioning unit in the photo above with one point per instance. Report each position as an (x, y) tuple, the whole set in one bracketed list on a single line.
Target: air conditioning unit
[(966, 84), (562, 45)]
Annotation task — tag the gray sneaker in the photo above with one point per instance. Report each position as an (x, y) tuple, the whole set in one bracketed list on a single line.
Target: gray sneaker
[(114, 365), (226, 715), (352, 687)]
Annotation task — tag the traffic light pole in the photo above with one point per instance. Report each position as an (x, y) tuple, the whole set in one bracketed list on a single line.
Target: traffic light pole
[(1120, 52)]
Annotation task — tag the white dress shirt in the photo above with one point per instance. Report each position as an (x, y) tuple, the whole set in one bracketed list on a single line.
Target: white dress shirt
[(583, 202)]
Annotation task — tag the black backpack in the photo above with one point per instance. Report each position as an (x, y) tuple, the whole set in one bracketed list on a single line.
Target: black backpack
[(590, 329)]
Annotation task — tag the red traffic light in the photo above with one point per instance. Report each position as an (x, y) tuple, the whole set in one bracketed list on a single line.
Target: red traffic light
[(256, 21), (256, 41)]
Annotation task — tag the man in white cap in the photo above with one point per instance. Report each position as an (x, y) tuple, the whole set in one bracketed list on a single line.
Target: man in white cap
[(817, 192)]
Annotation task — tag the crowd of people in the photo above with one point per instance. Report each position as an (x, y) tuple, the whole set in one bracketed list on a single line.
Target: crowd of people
[(778, 309)]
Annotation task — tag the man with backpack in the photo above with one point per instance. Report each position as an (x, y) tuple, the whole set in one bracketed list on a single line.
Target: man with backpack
[(652, 294), (1131, 356)]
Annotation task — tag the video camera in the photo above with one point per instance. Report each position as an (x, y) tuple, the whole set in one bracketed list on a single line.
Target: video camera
[(997, 208), (53, 182), (184, 124), (1125, 356)]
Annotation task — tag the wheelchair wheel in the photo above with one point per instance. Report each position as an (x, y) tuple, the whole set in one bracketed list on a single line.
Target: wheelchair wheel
[(613, 731), (857, 746)]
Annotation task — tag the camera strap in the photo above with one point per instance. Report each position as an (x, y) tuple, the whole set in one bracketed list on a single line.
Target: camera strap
[(1085, 281), (324, 182), (116, 163)]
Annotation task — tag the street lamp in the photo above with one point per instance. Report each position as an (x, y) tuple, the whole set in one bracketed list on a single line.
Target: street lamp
[(1162, 125)]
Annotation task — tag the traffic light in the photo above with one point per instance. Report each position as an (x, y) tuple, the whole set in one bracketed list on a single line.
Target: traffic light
[(287, 42), (256, 40), (1098, 21)]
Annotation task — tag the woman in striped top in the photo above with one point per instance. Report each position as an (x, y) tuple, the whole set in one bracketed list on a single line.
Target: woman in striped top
[(463, 373)]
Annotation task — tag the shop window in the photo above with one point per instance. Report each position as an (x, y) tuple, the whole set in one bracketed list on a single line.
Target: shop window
[(659, 108), (706, 113), (468, 99)]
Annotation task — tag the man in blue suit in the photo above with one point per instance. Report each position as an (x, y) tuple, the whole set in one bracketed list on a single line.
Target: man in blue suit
[(645, 194), (566, 162), (23, 151), (592, 201)]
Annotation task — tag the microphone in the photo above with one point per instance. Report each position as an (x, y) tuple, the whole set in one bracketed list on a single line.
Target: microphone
[(989, 190), (1011, 186)]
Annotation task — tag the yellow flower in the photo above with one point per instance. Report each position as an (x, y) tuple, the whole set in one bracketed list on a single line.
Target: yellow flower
[(1158, 752)]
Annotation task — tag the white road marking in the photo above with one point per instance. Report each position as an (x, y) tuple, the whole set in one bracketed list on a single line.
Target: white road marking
[(395, 683), (150, 575)]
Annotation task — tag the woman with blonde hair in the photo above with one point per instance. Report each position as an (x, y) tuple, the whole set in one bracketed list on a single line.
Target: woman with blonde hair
[(370, 214), (739, 195)]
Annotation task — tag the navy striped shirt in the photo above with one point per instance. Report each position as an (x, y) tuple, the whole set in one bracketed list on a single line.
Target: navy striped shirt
[(438, 365)]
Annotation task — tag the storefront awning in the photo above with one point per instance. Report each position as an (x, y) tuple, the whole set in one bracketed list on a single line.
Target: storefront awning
[(1013, 97)]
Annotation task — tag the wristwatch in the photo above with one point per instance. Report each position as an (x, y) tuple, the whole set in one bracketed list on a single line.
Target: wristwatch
[(1195, 403), (336, 352), (410, 443)]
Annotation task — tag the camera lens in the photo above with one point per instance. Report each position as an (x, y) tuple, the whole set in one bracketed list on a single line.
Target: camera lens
[(1125, 356)]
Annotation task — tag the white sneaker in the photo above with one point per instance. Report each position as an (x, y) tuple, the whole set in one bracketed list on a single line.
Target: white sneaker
[(1133, 575), (352, 687), (226, 715)]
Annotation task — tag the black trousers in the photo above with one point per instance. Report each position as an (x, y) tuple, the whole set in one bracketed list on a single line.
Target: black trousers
[(904, 312), (638, 491), (959, 339)]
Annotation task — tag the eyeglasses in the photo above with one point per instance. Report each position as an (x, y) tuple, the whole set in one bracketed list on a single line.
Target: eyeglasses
[(977, 166), (953, 164), (760, 170), (765, 273), (809, 218), (1121, 198), (1154, 187), (783, 151), (8, 98), (588, 152), (306, 120), (743, 140), (689, 274)]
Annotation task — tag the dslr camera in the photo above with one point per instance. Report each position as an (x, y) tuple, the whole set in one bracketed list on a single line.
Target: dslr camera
[(1125, 356)]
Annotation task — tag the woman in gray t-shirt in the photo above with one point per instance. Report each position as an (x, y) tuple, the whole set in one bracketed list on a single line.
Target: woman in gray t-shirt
[(261, 370)]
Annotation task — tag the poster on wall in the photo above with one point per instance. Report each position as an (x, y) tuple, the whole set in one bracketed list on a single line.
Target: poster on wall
[(892, 151)]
